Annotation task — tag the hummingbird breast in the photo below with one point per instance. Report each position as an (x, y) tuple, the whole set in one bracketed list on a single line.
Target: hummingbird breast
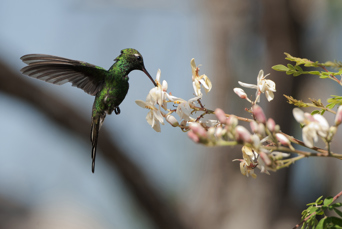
[(111, 96)]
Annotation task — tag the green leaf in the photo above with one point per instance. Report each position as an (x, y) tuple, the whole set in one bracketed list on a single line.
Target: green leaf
[(328, 201), (298, 68), (330, 106), (313, 73), (291, 67), (315, 112), (280, 67), (318, 199), (336, 205), (313, 209), (321, 223), (320, 211), (338, 212), (333, 223), (324, 75)]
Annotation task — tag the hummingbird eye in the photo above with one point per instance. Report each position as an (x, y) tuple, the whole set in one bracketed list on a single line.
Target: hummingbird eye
[(138, 56)]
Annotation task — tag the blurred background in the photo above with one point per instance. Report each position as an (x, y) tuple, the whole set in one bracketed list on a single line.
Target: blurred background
[(145, 179)]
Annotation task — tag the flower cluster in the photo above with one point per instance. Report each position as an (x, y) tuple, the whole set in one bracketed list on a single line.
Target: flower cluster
[(257, 150), (315, 126), (158, 97), (264, 146), (263, 86)]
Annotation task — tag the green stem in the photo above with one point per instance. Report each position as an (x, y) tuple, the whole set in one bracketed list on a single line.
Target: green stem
[(290, 161), (304, 153), (323, 108), (226, 143)]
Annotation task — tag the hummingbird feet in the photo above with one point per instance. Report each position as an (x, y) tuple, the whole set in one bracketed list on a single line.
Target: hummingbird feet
[(117, 110)]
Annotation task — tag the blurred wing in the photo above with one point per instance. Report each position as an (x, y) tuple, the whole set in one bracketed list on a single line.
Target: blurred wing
[(59, 70)]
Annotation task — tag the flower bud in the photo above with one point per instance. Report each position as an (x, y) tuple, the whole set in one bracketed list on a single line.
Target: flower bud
[(221, 116), (219, 132), (198, 129), (193, 136), (265, 159), (270, 124), (242, 134), (338, 117), (261, 129), (240, 92), (332, 132), (232, 121), (277, 128), (254, 126), (258, 114), (256, 141), (172, 120), (282, 139)]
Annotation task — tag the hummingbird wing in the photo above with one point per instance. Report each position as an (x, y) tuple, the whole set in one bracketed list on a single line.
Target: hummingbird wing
[(59, 70)]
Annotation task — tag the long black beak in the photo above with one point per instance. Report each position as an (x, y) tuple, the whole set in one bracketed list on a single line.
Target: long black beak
[(149, 76)]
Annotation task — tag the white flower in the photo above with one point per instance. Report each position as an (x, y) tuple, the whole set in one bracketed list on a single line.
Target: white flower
[(315, 125), (198, 80), (154, 117), (158, 95), (262, 166), (249, 162), (184, 108), (263, 86)]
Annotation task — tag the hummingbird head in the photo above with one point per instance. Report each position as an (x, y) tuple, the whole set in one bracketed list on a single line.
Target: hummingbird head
[(134, 61)]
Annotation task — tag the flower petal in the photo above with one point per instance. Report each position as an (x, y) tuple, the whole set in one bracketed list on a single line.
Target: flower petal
[(269, 95), (247, 85), (197, 88), (270, 85), (193, 66), (298, 114), (260, 76), (141, 103), (158, 75), (202, 81), (156, 127)]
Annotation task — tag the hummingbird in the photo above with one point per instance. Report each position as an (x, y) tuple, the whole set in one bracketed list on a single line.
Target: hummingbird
[(108, 86)]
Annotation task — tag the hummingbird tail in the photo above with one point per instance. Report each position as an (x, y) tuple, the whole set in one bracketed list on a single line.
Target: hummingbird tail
[(96, 124)]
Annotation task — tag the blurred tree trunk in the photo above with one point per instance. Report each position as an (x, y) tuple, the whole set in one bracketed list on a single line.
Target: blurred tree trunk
[(226, 199)]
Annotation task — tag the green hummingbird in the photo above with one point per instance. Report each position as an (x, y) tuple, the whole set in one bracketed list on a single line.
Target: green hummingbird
[(108, 86)]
